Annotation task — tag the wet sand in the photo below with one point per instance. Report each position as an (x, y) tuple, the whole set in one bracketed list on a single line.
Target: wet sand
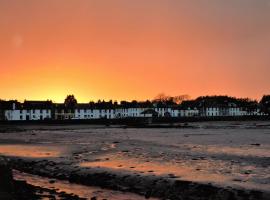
[(84, 192), (226, 155)]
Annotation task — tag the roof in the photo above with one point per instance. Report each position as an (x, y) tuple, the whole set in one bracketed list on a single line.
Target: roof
[(149, 111), (8, 105), (37, 105), (84, 106)]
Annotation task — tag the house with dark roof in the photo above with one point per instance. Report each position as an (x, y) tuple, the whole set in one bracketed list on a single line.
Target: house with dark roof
[(62, 112), (90, 111), (29, 110), (150, 113)]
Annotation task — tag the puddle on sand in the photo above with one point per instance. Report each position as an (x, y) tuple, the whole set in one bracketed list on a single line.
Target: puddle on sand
[(34, 151), (80, 190)]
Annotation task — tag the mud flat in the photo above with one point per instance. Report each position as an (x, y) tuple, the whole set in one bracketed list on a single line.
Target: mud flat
[(225, 160), (16, 185), (14, 188), (146, 185), (60, 189)]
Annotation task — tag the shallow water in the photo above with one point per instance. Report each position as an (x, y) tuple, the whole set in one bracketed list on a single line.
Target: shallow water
[(71, 188), (33, 151), (169, 169), (217, 172)]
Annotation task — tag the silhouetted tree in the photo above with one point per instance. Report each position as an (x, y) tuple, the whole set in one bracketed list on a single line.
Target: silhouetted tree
[(70, 102), (180, 98), (169, 100), (265, 104), (161, 98)]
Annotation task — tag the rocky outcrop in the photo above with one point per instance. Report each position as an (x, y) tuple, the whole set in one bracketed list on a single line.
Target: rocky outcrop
[(6, 180), (11, 189)]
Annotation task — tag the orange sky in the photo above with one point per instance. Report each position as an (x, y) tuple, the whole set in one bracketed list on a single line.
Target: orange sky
[(133, 49)]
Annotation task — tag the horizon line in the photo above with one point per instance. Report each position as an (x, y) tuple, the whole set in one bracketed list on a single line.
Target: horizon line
[(128, 100)]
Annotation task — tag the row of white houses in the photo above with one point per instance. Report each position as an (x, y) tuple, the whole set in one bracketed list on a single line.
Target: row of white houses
[(133, 112), (84, 111), (36, 114)]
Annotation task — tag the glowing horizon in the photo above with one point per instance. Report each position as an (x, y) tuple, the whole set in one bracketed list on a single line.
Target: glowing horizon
[(125, 50)]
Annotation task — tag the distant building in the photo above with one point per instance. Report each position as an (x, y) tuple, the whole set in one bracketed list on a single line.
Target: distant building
[(150, 113), (29, 110), (61, 112), (215, 106)]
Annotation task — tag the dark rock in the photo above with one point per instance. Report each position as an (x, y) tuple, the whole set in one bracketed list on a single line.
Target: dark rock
[(256, 144), (6, 178), (148, 194), (52, 181)]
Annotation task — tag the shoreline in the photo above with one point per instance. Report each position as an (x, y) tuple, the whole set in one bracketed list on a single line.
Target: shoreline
[(13, 189), (139, 122), (209, 160), (148, 186), (231, 123)]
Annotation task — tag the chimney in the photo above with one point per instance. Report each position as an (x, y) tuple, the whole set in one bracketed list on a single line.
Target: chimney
[(13, 106)]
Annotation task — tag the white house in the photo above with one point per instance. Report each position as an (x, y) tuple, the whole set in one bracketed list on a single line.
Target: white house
[(129, 112), (230, 110), (163, 111), (30, 110), (87, 113), (189, 112)]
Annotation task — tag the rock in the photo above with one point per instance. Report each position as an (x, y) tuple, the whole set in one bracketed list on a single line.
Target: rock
[(6, 178), (52, 181), (148, 194), (256, 144)]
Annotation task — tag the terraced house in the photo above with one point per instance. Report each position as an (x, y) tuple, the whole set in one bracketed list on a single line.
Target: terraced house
[(29, 110)]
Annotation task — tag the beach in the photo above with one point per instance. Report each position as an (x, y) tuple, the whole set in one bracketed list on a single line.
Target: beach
[(204, 160)]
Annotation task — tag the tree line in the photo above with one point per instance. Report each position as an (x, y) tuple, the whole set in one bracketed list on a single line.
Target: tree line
[(181, 101), (162, 100)]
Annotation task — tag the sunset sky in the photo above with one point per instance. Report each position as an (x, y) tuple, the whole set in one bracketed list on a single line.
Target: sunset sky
[(133, 49)]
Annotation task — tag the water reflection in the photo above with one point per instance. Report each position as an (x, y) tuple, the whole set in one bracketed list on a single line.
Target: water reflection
[(34, 151), (204, 171), (172, 170), (80, 190)]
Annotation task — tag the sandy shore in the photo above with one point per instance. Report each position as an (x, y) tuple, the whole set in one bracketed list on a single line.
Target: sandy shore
[(211, 160)]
